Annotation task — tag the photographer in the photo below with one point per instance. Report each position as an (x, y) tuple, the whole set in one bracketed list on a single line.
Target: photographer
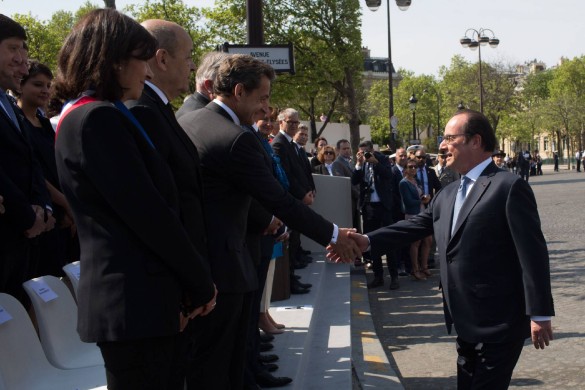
[(373, 173)]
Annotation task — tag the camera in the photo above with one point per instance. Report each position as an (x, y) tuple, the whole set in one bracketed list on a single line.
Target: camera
[(367, 155)]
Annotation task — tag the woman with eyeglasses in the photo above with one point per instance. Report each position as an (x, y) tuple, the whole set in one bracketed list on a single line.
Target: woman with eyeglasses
[(413, 203), (326, 157)]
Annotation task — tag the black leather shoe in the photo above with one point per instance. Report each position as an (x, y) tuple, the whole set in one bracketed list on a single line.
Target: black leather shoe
[(266, 379), (297, 277), (376, 282), (300, 265), (265, 347), (394, 285), (265, 337), (267, 358), (305, 252), (299, 290), (298, 283), (270, 367)]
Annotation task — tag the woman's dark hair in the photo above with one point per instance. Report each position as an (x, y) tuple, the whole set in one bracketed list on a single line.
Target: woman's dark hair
[(317, 141), (35, 68), (99, 43)]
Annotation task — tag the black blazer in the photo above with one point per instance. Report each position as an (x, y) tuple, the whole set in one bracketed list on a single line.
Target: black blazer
[(495, 268), (235, 169), (295, 168), (397, 213), (181, 155), (194, 102), (137, 261), (383, 177), (23, 180)]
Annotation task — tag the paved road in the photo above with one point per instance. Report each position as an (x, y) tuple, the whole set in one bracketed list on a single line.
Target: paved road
[(409, 321)]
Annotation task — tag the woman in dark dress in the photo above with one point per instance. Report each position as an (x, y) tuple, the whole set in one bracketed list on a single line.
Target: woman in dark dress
[(58, 246)]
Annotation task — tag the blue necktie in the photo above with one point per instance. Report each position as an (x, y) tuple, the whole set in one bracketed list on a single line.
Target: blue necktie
[(461, 194), (8, 108)]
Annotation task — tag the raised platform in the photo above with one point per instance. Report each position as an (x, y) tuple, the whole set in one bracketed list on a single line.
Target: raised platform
[(330, 341)]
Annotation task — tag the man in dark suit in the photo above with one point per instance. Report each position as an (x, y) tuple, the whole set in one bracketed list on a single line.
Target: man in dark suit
[(301, 185), (235, 169), (496, 286), (445, 174), (203, 83), (170, 78), (373, 173), (402, 253), (25, 195)]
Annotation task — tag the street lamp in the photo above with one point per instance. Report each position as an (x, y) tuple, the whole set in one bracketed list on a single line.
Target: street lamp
[(403, 5), (476, 40), (426, 90), (413, 100)]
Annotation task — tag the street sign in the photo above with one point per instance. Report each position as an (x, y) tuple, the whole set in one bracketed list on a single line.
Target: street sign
[(280, 57), (393, 121)]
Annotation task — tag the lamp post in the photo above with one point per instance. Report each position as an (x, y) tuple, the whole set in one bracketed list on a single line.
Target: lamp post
[(413, 100), (403, 5), (426, 90), (476, 40)]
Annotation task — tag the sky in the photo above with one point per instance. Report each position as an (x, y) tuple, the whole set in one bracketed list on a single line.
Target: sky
[(426, 36)]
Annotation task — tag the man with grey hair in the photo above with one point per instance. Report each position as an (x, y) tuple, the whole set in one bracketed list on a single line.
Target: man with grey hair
[(203, 83)]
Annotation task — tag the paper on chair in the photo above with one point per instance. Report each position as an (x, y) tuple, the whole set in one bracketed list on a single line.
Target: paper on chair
[(43, 290), (4, 315)]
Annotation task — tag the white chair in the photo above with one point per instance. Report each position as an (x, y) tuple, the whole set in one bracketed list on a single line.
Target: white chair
[(23, 364), (72, 272), (57, 320)]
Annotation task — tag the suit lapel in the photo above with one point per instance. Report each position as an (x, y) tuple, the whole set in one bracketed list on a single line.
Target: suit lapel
[(482, 183)]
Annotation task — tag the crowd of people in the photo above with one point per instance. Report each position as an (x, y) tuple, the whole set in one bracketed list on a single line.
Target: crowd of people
[(178, 217)]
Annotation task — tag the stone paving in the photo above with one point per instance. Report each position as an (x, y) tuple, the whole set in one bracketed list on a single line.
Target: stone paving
[(409, 321)]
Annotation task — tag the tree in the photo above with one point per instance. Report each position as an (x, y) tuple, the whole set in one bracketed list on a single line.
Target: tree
[(327, 43)]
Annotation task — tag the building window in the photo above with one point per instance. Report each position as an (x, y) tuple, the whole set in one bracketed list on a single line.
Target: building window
[(546, 144)]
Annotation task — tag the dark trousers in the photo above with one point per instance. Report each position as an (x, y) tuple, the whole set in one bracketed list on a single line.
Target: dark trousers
[(253, 347), (219, 350), (486, 366), (15, 268), (375, 216), (138, 364)]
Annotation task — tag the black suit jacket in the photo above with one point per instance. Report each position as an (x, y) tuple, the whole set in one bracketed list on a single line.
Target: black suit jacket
[(495, 266), (397, 213), (235, 169), (23, 181), (383, 177), (137, 261), (295, 168), (181, 155), (194, 102)]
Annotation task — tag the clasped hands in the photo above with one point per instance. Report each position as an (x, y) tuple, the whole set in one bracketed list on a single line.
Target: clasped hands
[(349, 246), (200, 311)]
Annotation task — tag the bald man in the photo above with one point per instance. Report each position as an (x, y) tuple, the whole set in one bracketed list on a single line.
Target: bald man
[(171, 67)]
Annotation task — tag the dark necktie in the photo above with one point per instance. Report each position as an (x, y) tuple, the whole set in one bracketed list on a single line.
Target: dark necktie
[(461, 194)]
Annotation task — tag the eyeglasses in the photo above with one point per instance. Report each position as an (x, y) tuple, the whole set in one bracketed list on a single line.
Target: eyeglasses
[(412, 167), (329, 152), (448, 139), (420, 157), (293, 123)]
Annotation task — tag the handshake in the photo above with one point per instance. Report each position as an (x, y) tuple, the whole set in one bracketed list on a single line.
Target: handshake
[(349, 246)]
